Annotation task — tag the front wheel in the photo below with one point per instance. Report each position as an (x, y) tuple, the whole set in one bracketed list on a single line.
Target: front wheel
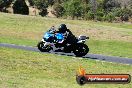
[(81, 50), (43, 48)]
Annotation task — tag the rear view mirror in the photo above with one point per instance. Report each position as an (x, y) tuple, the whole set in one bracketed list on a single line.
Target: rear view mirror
[(87, 37)]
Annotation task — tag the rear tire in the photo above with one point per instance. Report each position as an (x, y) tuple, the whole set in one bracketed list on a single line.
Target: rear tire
[(81, 50), (67, 49)]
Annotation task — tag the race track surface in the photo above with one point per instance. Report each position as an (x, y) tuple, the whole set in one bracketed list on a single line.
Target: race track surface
[(89, 56)]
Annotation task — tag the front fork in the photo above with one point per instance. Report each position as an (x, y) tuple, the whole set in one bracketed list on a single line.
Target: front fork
[(54, 48), (52, 45)]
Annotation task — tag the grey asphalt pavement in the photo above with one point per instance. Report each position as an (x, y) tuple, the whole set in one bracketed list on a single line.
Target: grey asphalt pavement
[(89, 56)]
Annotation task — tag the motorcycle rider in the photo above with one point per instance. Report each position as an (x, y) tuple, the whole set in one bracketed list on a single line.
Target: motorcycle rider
[(69, 37)]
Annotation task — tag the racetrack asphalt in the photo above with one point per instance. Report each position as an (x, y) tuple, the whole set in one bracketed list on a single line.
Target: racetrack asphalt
[(115, 59)]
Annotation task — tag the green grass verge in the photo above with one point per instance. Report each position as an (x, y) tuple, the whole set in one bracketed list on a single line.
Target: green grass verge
[(113, 39), (24, 69), (114, 48), (18, 41), (118, 25)]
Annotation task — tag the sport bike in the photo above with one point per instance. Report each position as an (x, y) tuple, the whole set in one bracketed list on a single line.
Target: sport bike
[(56, 42)]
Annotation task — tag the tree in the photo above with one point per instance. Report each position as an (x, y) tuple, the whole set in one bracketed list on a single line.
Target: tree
[(86, 7), (1, 5), (31, 2), (73, 8), (94, 7), (20, 7), (42, 5), (108, 5), (1, 1), (51, 2), (58, 10), (85, 1), (125, 13)]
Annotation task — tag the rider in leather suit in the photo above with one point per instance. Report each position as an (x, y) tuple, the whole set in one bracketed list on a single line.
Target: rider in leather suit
[(69, 37)]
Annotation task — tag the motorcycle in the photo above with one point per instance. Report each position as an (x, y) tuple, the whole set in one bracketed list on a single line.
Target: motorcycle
[(56, 42)]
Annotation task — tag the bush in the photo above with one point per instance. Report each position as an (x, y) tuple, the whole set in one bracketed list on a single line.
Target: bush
[(99, 15), (20, 7), (109, 17), (124, 13), (89, 15)]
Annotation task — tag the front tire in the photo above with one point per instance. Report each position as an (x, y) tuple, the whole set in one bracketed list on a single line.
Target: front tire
[(43, 48), (81, 50)]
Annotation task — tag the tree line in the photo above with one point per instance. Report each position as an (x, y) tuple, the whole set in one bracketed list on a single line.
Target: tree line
[(100, 10)]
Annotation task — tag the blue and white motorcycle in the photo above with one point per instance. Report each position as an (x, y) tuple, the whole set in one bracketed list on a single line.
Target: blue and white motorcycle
[(56, 42)]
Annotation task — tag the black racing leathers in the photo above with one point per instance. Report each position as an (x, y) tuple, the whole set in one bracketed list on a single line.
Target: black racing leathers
[(69, 37)]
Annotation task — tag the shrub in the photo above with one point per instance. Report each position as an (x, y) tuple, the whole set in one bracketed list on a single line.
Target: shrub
[(89, 15), (124, 13), (109, 17), (99, 15)]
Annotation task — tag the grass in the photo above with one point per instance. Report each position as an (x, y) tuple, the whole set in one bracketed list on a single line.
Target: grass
[(26, 69), (18, 41), (113, 39), (118, 25), (115, 48)]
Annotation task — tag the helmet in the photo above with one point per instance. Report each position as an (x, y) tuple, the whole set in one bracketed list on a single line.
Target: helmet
[(62, 28)]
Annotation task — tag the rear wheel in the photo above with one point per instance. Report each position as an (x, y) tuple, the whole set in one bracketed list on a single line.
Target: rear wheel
[(67, 49), (81, 50), (43, 48)]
